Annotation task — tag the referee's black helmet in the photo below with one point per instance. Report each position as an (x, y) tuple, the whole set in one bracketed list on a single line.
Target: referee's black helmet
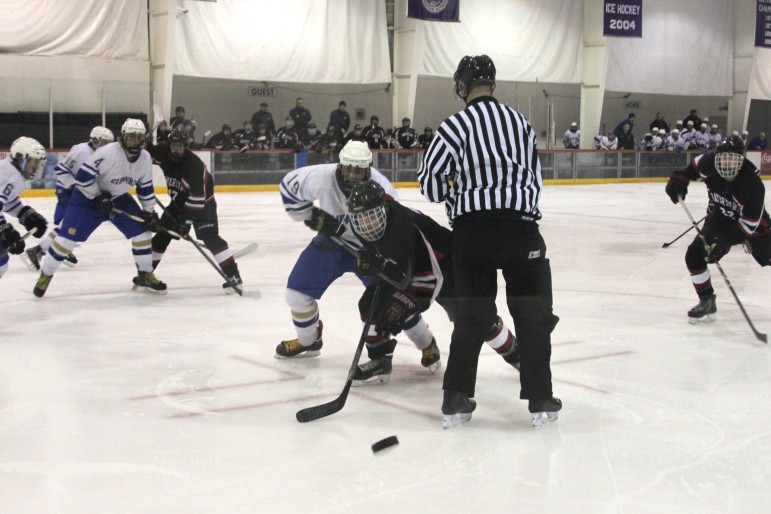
[(473, 69)]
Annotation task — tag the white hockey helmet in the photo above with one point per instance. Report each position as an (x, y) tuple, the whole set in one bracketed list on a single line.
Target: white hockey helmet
[(675, 132), (655, 130), (355, 160), (133, 126), (29, 156), (100, 136)]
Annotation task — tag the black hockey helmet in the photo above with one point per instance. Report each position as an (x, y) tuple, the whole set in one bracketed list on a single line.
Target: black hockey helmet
[(357, 129), (179, 136), (367, 210), (473, 69), (729, 157)]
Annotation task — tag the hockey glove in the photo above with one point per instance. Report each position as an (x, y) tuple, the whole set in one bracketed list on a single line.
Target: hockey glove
[(30, 218), (151, 221), (11, 239), (396, 309), (103, 203), (368, 264), (716, 251), (677, 187), (325, 223)]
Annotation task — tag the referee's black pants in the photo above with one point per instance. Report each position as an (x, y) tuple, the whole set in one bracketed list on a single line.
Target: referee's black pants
[(483, 243)]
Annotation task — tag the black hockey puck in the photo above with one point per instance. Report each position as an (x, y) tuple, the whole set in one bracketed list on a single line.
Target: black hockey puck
[(385, 443)]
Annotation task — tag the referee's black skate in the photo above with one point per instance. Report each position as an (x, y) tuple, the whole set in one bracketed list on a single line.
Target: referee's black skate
[(544, 411), (147, 282), (456, 408), (704, 311), (293, 348)]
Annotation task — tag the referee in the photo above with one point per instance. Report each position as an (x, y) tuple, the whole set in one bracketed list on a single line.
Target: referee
[(483, 163)]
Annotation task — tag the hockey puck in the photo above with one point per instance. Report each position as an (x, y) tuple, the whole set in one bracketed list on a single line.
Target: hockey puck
[(385, 443)]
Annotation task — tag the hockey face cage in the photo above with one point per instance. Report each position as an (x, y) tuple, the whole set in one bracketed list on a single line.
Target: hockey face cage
[(728, 164), (349, 175), (370, 224), (29, 156)]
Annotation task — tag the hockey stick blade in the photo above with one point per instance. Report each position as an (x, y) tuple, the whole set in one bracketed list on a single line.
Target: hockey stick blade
[(246, 250), (325, 409)]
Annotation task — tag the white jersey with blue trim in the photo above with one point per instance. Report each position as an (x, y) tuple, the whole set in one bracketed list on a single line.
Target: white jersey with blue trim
[(110, 171), (301, 187), (11, 186), (69, 166)]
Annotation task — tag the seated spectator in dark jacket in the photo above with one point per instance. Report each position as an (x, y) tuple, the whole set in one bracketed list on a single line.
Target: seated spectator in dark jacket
[(162, 132), (262, 141), (758, 142), (374, 133), (245, 137), (425, 138), (406, 135), (178, 119), (287, 137), (340, 119), (357, 134), (312, 137), (331, 141), (222, 140)]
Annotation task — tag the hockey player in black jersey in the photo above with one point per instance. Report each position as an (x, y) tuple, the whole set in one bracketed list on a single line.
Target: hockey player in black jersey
[(736, 214), (410, 252), (191, 188)]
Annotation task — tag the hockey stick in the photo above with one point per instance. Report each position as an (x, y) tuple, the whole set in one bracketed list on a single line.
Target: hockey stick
[(327, 409), (667, 245), (763, 337), (246, 250), (238, 289)]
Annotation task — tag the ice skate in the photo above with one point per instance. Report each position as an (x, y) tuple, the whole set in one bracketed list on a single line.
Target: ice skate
[(233, 282), (42, 285), (544, 411), (32, 257), (456, 408), (373, 372), (293, 348), (147, 282), (704, 311), (431, 358), (70, 260)]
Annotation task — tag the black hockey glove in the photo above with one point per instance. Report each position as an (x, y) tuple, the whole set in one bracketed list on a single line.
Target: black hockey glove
[(175, 218), (396, 309), (11, 239), (151, 221), (103, 203), (368, 264), (677, 187), (716, 251), (30, 218), (325, 223)]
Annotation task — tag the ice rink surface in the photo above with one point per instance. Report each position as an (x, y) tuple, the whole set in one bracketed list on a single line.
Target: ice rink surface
[(117, 402)]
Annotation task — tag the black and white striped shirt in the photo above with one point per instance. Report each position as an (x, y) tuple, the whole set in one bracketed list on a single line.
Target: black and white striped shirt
[(481, 159)]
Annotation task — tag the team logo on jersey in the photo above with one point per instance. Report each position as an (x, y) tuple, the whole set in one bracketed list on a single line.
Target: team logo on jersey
[(71, 231), (435, 6), (534, 254), (122, 180)]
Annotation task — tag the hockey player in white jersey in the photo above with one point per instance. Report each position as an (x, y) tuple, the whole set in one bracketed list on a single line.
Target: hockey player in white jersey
[(572, 138), (675, 143), (65, 182), (323, 261), (101, 185), (25, 161)]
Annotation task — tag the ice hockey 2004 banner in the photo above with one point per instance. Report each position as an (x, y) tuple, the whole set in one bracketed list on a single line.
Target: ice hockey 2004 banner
[(434, 10)]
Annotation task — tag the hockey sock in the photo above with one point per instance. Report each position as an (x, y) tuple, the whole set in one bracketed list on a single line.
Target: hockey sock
[(141, 247), (417, 331), (59, 249), (702, 282), (3, 264), (499, 338), (379, 347), (45, 243), (305, 316)]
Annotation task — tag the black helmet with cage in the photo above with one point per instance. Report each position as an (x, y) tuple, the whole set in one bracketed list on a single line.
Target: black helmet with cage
[(473, 69), (729, 157), (367, 210), (178, 136)]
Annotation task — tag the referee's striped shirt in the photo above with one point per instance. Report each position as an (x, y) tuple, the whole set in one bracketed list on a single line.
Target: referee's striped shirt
[(481, 159)]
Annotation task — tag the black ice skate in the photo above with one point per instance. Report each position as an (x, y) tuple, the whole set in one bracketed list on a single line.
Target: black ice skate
[(431, 358), (375, 371), (32, 257), (704, 311), (293, 348), (544, 411), (234, 282), (146, 281), (42, 285), (457, 408)]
